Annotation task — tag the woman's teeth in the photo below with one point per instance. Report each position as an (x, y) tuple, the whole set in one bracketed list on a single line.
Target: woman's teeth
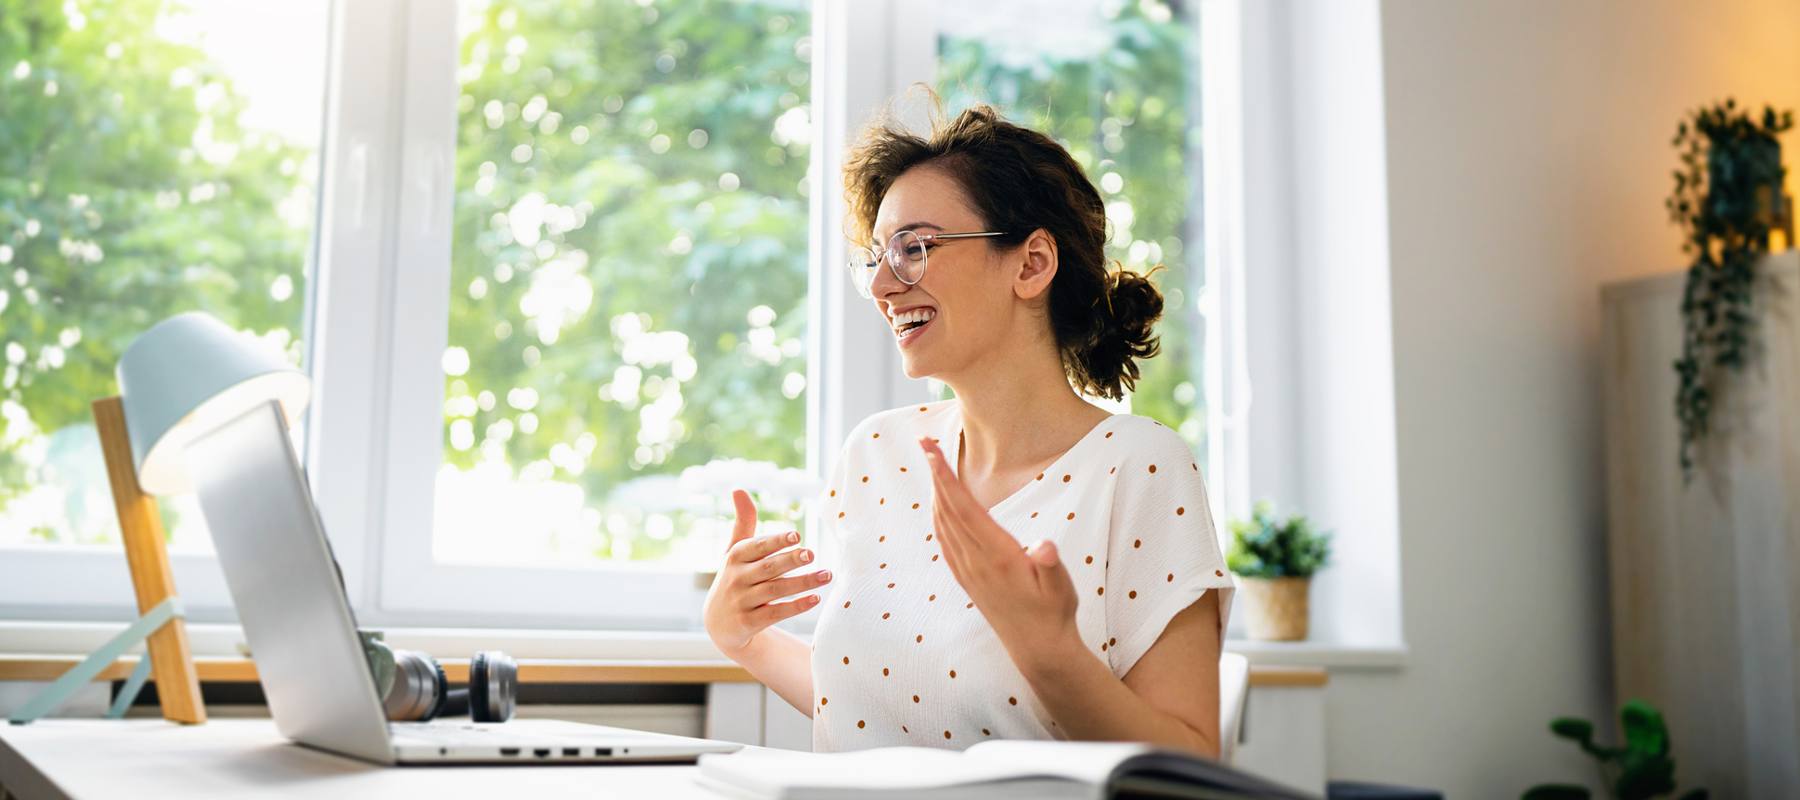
[(912, 319)]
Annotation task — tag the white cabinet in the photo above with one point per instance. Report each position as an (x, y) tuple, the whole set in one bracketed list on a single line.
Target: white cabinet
[(1283, 735), (1705, 577)]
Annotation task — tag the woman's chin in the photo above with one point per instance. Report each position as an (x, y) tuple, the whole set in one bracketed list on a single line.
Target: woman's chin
[(915, 367), (911, 367)]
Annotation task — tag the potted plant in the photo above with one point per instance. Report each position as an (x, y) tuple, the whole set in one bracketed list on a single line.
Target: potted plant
[(1276, 561), (1727, 201), (1640, 769)]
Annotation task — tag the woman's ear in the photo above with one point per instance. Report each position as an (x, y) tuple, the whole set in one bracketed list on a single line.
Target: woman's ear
[(1037, 265)]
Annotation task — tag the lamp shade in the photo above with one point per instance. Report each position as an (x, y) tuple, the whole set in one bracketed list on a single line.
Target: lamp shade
[(186, 376)]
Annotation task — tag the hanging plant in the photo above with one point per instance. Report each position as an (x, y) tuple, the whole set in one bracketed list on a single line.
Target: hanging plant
[(1727, 198)]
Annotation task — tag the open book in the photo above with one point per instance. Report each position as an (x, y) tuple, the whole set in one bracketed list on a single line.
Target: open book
[(994, 769)]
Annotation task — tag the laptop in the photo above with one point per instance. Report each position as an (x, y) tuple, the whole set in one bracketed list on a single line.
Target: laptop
[(291, 602)]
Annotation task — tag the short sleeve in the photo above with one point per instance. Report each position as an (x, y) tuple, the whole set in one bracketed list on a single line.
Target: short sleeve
[(830, 503), (833, 500), (1164, 550)]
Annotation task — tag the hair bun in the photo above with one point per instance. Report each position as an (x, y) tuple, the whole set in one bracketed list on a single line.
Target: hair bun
[(1122, 333)]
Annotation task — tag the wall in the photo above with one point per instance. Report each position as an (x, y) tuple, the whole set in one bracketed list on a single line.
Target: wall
[(1527, 152)]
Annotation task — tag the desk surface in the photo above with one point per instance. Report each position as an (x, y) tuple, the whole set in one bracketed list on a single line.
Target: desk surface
[(245, 758)]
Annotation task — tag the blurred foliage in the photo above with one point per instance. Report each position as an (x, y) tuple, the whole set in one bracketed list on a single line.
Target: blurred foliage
[(1640, 770), (128, 193), (630, 208), (1124, 99), (630, 241), (1265, 547)]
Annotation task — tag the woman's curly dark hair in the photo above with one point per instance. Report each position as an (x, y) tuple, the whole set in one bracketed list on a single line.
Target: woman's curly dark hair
[(1020, 181)]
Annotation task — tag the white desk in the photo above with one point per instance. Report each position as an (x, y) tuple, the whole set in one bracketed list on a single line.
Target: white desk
[(236, 758)]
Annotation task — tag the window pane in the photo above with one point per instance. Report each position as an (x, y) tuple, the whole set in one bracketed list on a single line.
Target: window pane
[(155, 157), (628, 290), (1118, 85)]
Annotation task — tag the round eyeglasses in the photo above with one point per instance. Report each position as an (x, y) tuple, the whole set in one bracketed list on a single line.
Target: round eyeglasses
[(905, 255)]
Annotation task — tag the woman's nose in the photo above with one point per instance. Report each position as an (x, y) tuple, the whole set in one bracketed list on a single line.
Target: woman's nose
[(885, 282)]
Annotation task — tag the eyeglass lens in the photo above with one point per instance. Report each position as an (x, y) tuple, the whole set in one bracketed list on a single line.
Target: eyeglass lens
[(905, 255)]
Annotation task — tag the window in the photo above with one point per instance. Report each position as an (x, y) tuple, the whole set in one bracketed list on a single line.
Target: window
[(619, 331), (155, 158), (1116, 83), (571, 287), (628, 281)]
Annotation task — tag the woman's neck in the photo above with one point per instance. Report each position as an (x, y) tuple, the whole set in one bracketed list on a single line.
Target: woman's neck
[(1018, 414)]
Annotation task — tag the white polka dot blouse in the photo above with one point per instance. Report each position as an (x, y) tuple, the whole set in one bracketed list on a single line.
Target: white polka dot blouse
[(900, 654)]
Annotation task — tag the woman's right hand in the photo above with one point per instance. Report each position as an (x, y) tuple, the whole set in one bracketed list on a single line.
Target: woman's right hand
[(744, 595)]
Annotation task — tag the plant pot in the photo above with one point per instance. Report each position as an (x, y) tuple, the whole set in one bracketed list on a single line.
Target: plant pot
[(1277, 607)]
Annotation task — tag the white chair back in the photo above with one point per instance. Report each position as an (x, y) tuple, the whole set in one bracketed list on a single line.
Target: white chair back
[(1234, 696)]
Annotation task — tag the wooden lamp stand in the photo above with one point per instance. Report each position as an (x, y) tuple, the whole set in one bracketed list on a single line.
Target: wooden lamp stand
[(161, 626)]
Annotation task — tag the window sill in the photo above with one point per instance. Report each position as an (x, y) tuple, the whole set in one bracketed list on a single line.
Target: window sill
[(220, 640), (223, 641), (1328, 655)]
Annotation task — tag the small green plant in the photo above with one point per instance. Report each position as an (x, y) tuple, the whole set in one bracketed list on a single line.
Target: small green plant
[(1727, 197), (1266, 548), (1640, 769)]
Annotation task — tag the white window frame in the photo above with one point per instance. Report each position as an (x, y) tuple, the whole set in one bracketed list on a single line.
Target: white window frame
[(1227, 378), (85, 582), (379, 447)]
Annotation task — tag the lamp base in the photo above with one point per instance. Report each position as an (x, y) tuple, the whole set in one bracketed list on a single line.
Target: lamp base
[(84, 673)]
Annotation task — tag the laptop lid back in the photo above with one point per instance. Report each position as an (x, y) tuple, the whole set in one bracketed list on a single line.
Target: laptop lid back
[(285, 585)]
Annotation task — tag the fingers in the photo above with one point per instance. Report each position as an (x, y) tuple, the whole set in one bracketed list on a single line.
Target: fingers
[(749, 551), (935, 458), (1044, 557), (959, 507), (769, 591), (941, 499), (779, 564), (948, 541), (746, 518), (775, 612), (1051, 573), (949, 537)]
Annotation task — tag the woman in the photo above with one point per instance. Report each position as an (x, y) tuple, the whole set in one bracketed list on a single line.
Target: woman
[(940, 627)]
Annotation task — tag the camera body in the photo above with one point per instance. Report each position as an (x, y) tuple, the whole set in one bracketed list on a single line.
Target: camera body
[(412, 686)]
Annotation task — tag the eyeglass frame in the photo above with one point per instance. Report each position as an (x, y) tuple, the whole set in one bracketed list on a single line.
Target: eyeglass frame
[(867, 290)]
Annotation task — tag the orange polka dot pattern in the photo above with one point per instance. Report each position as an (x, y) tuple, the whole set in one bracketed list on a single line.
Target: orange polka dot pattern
[(908, 669)]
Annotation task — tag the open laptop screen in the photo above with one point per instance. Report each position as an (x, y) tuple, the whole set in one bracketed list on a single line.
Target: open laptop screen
[(285, 585)]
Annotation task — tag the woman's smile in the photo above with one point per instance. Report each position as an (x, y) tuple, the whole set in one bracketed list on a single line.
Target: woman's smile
[(909, 335)]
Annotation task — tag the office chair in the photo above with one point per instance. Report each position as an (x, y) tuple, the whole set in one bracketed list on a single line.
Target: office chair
[(1234, 696)]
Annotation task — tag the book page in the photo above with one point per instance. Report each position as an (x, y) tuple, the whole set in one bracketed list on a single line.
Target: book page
[(1112, 765), (770, 772), (1087, 762)]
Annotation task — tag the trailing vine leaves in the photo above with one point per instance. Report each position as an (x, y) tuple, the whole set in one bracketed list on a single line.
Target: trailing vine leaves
[(1727, 194)]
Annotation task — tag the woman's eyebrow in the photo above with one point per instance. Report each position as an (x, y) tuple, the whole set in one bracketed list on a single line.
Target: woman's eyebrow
[(910, 226)]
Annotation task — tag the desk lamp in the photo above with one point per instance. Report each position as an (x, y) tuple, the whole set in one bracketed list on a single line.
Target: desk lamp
[(177, 381)]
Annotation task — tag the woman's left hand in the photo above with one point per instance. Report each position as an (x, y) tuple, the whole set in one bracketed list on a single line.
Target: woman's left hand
[(1025, 593)]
